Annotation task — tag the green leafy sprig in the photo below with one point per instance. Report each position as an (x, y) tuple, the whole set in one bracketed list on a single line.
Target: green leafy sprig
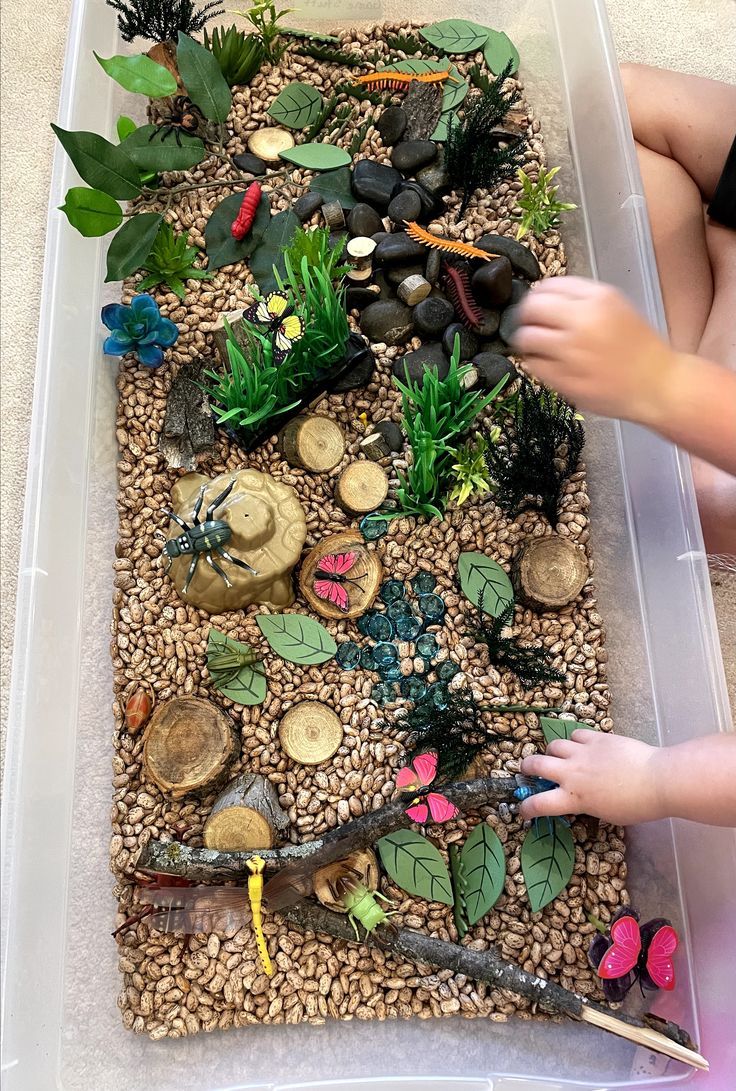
[(264, 18), (538, 201), (472, 478)]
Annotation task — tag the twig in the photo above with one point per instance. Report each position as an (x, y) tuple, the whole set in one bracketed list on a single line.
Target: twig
[(488, 966)]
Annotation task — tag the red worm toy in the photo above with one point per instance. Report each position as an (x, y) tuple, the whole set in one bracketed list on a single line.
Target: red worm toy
[(247, 213)]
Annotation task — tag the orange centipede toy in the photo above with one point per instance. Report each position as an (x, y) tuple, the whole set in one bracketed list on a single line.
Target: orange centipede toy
[(399, 81), (447, 246)]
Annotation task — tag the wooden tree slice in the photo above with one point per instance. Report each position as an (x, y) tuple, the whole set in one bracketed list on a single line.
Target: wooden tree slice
[(219, 333), (362, 487), (188, 746), (414, 289), (366, 575), (313, 442), (550, 573), (333, 215), (359, 867), (310, 732), (267, 143), (246, 816)]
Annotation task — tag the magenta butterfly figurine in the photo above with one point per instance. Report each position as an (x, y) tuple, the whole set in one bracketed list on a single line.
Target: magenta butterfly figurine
[(630, 953), (416, 778), (332, 575)]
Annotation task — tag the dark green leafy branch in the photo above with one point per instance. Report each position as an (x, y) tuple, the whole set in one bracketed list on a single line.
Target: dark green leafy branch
[(327, 53), (531, 664), (457, 732), (162, 20)]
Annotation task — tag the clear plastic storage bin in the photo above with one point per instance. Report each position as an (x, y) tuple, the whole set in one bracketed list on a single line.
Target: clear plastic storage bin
[(62, 1028)]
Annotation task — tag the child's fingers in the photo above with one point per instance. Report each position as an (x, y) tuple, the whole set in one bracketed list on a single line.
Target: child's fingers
[(552, 312), (556, 801), (542, 765), (538, 341), (572, 287), (560, 748)]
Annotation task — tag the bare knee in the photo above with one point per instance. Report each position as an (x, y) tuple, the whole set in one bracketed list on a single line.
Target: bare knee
[(640, 88), (716, 494)]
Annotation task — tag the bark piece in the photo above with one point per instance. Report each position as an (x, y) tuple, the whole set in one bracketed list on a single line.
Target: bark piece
[(269, 142), (365, 575), (362, 487), (188, 746), (164, 53), (246, 816), (550, 573), (310, 732), (359, 867), (313, 442), (423, 106), (219, 333), (189, 428)]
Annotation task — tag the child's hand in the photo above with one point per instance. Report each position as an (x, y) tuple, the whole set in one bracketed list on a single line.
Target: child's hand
[(585, 340), (608, 776)]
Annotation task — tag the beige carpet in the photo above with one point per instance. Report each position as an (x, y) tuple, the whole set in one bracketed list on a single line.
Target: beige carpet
[(688, 35)]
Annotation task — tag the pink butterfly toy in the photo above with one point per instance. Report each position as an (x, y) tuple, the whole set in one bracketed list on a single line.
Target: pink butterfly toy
[(416, 778), (332, 576), (630, 953)]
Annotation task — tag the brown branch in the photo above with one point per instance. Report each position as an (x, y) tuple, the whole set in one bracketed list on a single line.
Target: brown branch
[(207, 865)]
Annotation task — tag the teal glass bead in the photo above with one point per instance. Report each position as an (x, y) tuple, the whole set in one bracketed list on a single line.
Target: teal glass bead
[(390, 672), (399, 608), (367, 661), (426, 646), (380, 627), (439, 695), (383, 693), (447, 670), (423, 583), (385, 653), (372, 528), (348, 655), (392, 591), (408, 627), (432, 607), (364, 621), (413, 688)]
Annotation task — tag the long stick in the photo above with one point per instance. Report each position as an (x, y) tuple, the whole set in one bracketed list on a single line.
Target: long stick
[(208, 865), (490, 967)]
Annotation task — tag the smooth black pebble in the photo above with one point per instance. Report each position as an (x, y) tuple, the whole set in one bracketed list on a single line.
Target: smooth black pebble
[(522, 260), (364, 220), (374, 182), (433, 315), (306, 206), (491, 368), (414, 364), (406, 207), (391, 125), (491, 283), (388, 321), (399, 249), (469, 343), (250, 164), (412, 155)]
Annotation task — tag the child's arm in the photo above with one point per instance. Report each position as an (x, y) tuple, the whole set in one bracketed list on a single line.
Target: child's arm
[(585, 340), (624, 781)]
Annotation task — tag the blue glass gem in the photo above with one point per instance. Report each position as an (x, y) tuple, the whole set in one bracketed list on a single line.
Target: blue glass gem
[(432, 607), (439, 695), (379, 627), (372, 528), (400, 608), (447, 670), (392, 591), (383, 693), (348, 655), (413, 688), (408, 627), (367, 661), (423, 583), (390, 672), (364, 621), (426, 646), (384, 653)]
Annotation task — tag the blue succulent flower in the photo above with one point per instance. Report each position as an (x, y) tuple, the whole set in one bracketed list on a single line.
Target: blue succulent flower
[(139, 328)]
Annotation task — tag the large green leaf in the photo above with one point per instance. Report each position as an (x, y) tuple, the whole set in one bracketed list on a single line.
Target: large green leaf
[(101, 164), (234, 670), (484, 582), (297, 638), (297, 106), (335, 186), (203, 79), (222, 248), (317, 156), (482, 872), (455, 36), (547, 860), (560, 729), (132, 245), (125, 126), (91, 211), (453, 90), (151, 148), (269, 254), (139, 74), (499, 50), (416, 866)]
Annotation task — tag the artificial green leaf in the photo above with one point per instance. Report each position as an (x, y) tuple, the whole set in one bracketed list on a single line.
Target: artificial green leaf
[(203, 79), (138, 73), (222, 248), (131, 245), (150, 148), (499, 50), (100, 164), (547, 860), (269, 255), (297, 106), (297, 638), (91, 211), (484, 582), (455, 36), (317, 156), (125, 126), (453, 90), (440, 132), (560, 729), (415, 865), (482, 871), (235, 669), (335, 186)]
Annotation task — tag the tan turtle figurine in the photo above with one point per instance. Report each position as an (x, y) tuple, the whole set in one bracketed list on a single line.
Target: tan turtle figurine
[(234, 540)]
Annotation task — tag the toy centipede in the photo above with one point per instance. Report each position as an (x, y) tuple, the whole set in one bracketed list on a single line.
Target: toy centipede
[(457, 286), (446, 246), (398, 81)]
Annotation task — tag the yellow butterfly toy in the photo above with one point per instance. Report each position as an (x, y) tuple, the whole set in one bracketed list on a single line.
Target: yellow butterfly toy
[(284, 326)]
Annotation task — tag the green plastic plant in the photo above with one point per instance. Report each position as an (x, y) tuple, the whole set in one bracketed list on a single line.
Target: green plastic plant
[(538, 202), (471, 471), (170, 262), (264, 18), (238, 54), (320, 253), (161, 20)]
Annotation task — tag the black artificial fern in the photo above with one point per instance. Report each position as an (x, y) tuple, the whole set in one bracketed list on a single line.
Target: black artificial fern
[(457, 732), (531, 664), (530, 467), (161, 20), (410, 45), (477, 153), (327, 53)]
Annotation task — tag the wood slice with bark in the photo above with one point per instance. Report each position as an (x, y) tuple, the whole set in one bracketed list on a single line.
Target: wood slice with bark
[(313, 442), (189, 428), (269, 142), (219, 333), (550, 573), (359, 867), (310, 732), (423, 106), (364, 578), (188, 745), (247, 815), (361, 488)]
